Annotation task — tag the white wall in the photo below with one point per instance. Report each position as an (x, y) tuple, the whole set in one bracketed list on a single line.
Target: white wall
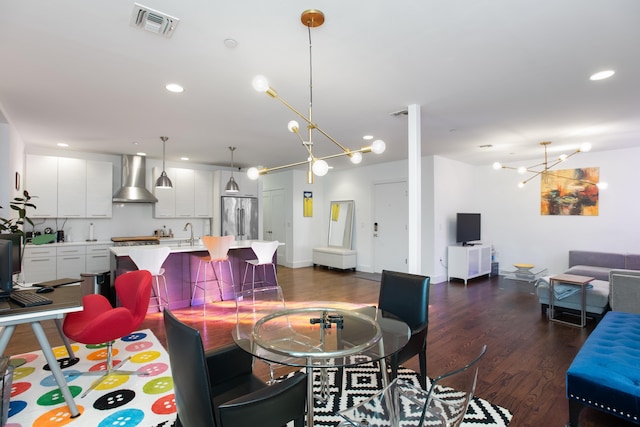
[(513, 224)]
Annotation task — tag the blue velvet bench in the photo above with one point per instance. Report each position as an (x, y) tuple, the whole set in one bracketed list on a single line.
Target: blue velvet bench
[(605, 373)]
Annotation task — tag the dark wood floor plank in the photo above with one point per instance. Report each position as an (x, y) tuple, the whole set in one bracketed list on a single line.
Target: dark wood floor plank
[(524, 369)]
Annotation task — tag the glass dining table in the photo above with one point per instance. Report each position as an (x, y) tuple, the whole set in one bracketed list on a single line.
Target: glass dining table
[(321, 335)]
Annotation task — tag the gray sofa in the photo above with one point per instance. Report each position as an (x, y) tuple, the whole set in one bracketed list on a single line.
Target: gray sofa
[(599, 265)]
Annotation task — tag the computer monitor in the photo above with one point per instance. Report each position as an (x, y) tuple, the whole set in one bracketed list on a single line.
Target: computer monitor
[(6, 268), (16, 239)]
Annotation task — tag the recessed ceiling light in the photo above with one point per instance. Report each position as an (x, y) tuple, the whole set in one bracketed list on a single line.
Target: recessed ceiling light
[(231, 43), (602, 75), (62, 144), (367, 137), (184, 158), (174, 87)]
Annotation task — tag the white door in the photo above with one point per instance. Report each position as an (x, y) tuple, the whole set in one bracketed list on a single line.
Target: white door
[(273, 219), (390, 219)]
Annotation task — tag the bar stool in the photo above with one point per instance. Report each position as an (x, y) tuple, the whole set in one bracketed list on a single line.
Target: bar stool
[(218, 247), (151, 258), (264, 251)]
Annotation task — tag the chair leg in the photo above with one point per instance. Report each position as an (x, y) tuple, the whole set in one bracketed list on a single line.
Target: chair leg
[(111, 370), (244, 278), (166, 291), (275, 275), (423, 369)]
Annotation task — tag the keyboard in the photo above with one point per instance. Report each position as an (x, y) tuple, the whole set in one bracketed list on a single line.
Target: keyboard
[(28, 299)]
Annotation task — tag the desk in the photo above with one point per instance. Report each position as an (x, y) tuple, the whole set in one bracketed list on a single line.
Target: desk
[(65, 300), (571, 279), (321, 336)]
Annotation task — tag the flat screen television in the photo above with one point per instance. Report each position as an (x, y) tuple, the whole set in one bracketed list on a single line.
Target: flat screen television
[(6, 268), (467, 228)]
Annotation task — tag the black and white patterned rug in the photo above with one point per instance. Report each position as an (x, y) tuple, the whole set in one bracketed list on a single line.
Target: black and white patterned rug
[(354, 384), (351, 385)]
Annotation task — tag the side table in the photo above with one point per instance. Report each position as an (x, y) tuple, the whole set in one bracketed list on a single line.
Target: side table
[(571, 279)]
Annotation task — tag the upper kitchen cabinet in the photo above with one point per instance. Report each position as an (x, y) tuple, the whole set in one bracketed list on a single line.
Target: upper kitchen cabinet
[(248, 187), (203, 203), (68, 187), (190, 197), (42, 183), (99, 189), (72, 188)]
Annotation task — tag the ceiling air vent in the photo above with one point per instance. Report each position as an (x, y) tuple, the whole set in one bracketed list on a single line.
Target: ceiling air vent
[(153, 21)]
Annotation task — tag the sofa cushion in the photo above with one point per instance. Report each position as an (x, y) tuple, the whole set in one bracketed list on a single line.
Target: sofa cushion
[(599, 273), (604, 373), (597, 296), (632, 262), (596, 259)]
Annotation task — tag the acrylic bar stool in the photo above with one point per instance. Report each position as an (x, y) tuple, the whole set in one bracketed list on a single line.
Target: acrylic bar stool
[(264, 251), (151, 258), (218, 247)]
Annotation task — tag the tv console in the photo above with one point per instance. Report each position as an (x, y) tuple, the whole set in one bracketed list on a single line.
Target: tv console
[(468, 262)]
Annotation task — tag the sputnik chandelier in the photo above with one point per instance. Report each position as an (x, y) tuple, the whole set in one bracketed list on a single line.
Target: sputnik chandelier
[(585, 147), (316, 165)]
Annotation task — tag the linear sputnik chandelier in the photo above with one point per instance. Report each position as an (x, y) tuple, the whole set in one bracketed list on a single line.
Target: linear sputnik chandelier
[(316, 165), (545, 164)]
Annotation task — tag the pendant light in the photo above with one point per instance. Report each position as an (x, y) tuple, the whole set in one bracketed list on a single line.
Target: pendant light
[(232, 185), (163, 180)]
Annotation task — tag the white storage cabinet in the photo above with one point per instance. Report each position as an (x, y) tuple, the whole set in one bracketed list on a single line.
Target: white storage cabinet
[(468, 262)]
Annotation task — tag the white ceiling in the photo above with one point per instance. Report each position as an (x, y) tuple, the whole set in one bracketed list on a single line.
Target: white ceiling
[(505, 73)]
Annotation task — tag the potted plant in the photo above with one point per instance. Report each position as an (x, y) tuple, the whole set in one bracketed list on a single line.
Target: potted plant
[(19, 204)]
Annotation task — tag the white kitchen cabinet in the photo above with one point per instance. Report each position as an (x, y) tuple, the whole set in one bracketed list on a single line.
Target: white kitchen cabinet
[(70, 261), (39, 263), (248, 187), (99, 189), (165, 207), (42, 182), (467, 262), (97, 259), (72, 188), (69, 188), (203, 203), (190, 197), (185, 192)]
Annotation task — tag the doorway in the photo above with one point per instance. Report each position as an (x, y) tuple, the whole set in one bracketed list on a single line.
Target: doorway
[(390, 221), (273, 220)]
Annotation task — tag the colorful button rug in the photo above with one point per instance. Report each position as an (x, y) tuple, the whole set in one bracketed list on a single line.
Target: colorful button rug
[(120, 400)]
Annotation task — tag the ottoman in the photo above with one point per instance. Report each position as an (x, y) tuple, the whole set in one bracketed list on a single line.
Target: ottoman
[(605, 374)]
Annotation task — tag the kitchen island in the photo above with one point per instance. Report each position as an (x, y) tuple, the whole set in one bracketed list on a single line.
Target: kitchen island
[(181, 268)]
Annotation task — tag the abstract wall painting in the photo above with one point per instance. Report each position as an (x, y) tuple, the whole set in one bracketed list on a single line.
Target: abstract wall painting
[(570, 192)]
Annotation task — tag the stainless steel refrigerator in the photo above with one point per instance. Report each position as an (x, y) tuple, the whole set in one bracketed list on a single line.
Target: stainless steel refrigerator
[(240, 217)]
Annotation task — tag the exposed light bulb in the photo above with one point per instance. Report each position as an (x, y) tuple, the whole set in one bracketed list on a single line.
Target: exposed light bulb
[(260, 83), (562, 157), (497, 165), (378, 146), (293, 126), (253, 173), (320, 167), (521, 184), (603, 185), (602, 75), (585, 147), (356, 158), (522, 170)]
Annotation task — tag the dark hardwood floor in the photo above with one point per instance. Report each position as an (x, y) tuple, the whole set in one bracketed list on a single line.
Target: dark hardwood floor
[(527, 357)]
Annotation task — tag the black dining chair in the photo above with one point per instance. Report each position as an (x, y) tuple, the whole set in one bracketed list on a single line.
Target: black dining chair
[(406, 296), (218, 389)]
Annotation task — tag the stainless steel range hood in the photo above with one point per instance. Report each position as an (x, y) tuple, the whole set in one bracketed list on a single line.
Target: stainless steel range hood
[(133, 176)]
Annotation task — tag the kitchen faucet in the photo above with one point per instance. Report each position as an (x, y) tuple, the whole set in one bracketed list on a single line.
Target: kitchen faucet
[(191, 241)]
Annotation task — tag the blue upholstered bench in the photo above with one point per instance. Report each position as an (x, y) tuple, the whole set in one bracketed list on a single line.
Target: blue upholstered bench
[(605, 373)]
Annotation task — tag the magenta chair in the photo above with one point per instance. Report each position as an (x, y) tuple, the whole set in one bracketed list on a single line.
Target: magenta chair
[(100, 323)]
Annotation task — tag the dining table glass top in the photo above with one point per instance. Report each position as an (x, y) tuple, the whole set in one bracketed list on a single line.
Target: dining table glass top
[(320, 334)]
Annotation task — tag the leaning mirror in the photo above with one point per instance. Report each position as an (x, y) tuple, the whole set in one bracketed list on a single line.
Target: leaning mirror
[(341, 223)]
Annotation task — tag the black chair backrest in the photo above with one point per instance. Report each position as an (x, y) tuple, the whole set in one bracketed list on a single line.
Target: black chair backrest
[(405, 296), (189, 370)]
